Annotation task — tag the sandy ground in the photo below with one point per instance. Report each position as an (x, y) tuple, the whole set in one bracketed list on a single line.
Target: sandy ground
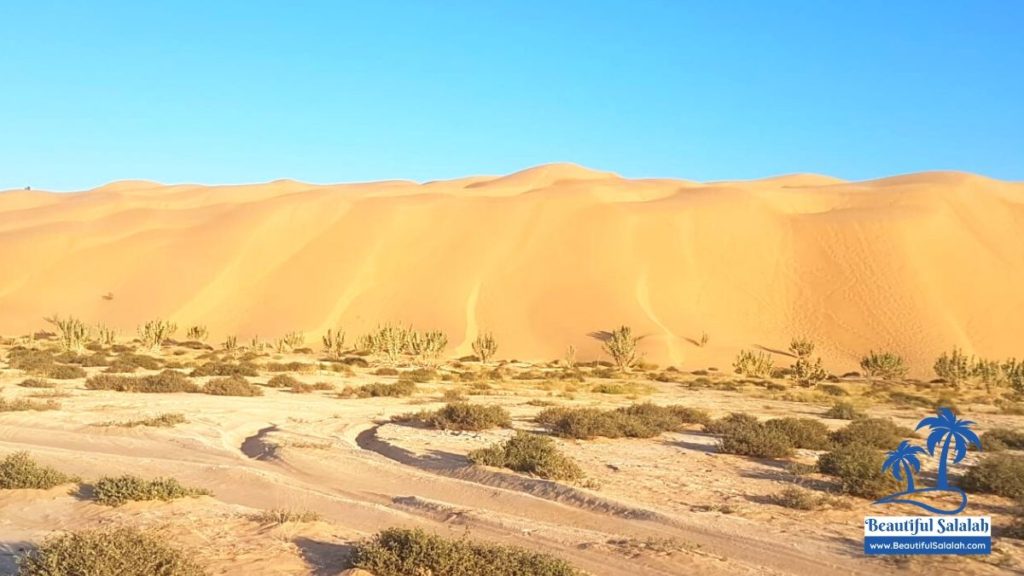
[(915, 264), (344, 459)]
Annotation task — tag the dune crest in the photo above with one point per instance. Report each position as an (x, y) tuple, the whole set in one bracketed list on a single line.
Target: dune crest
[(914, 264)]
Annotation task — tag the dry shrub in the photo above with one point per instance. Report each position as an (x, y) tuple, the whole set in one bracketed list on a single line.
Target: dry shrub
[(283, 381), (381, 389), (108, 552), (226, 369), (465, 416), (20, 471), (843, 411), (530, 454), (999, 439), (279, 516), (859, 469), (36, 383), (1001, 474), (162, 421), (637, 421), (115, 491), (22, 405), (796, 498), (232, 386), (168, 381)]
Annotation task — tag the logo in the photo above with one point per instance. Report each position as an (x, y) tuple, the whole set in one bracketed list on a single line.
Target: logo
[(944, 533)]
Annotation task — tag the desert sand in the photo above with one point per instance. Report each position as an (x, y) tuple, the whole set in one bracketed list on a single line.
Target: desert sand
[(914, 264)]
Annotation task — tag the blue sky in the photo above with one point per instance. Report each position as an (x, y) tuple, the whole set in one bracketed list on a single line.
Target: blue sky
[(220, 92)]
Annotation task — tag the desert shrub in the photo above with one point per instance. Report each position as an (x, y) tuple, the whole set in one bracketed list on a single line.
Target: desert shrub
[(108, 552), (620, 344), (953, 367), (386, 371), (22, 405), (382, 389), (989, 372), (756, 440), (20, 471), (152, 334), (296, 366), (753, 364), (804, 370), (1001, 474), (637, 421), (998, 439), (732, 421), (279, 516), (403, 552), (64, 372), (73, 333), (197, 333), (162, 421), (466, 416), (226, 369), (333, 343), (36, 383), (283, 381), (530, 454), (875, 432), (427, 347), (859, 469), (1013, 371), (289, 342), (884, 365), (485, 347), (796, 498), (168, 381), (420, 375), (833, 390), (30, 359), (389, 341), (115, 491), (802, 432), (843, 411), (128, 362), (232, 386)]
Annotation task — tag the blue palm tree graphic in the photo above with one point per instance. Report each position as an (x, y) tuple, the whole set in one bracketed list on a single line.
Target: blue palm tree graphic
[(953, 434), (903, 461)]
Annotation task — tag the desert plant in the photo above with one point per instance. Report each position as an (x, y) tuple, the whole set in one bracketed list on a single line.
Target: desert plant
[(753, 364), (843, 411), (485, 347), (22, 405), (859, 469), (731, 422), (531, 454), (382, 389), (168, 381), (757, 441), (466, 416), (167, 420), (796, 498), (36, 383), (1013, 371), (703, 340), (569, 360), (804, 370), (620, 344), (108, 552), (1000, 474), (990, 372), (230, 344), (389, 341), (637, 421), (283, 381), (289, 342), (115, 491), (334, 343), (226, 369), (805, 433), (427, 347), (279, 516), (879, 433), (105, 336), (999, 439), (152, 334), (953, 367), (404, 552), (232, 386), (883, 365), (20, 471), (74, 334), (197, 333)]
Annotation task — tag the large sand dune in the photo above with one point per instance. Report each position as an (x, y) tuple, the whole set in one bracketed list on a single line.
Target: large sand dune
[(914, 264)]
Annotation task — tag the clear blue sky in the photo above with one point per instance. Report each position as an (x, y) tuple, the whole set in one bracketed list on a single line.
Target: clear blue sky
[(218, 92)]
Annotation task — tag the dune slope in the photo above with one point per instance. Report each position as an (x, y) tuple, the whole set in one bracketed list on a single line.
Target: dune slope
[(543, 258)]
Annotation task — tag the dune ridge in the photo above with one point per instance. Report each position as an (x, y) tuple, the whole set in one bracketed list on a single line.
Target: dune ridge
[(543, 257)]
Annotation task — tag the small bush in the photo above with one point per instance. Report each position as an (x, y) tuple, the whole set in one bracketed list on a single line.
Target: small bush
[(531, 454), (283, 381), (381, 389), (620, 344), (22, 405), (731, 422), (64, 372), (884, 365), (20, 471), (954, 367), (166, 382), (232, 386), (226, 369), (115, 491), (756, 440), (402, 552), (466, 416), (129, 361), (279, 516), (753, 364), (859, 469), (843, 411), (796, 498), (879, 433), (637, 421), (999, 439), (802, 432), (162, 421), (36, 383), (419, 375), (108, 552), (1001, 474)]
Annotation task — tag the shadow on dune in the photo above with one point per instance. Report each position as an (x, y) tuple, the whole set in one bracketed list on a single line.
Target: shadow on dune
[(9, 553), (325, 558), (256, 447)]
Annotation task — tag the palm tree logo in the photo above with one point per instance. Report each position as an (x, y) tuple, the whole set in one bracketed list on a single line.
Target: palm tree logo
[(953, 434)]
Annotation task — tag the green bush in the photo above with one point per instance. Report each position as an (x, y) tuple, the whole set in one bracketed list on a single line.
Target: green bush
[(954, 367), (802, 432), (232, 386), (999, 439), (731, 422), (115, 491), (754, 364), (859, 469), (756, 439), (1001, 474), (402, 552), (466, 416), (168, 381), (531, 454), (637, 421), (108, 552), (884, 365), (843, 411), (19, 470), (875, 432)]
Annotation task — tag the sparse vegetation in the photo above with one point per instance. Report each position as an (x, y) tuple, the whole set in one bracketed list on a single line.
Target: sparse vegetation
[(620, 344), (427, 347), (381, 389), (1000, 474), (530, 454), (289, 342), (485, 347), (232, 386), (279, 516), (464, 416), (22, 405), (152, 334), (804, 370), (226, 369), (334, 343), (953, 367), (999, 439), (73, 333), (389, 341), (636, 421), (843, 411), (108, 552), (796, 498), (403, 552), (883, 365), (19, 471), (168, 381), (115, 491), (754, 364), (878, 433), (283, 381), (197, 333), (167, 420)]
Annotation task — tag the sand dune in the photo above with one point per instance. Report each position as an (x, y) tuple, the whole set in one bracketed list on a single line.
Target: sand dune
[(543, 257)]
